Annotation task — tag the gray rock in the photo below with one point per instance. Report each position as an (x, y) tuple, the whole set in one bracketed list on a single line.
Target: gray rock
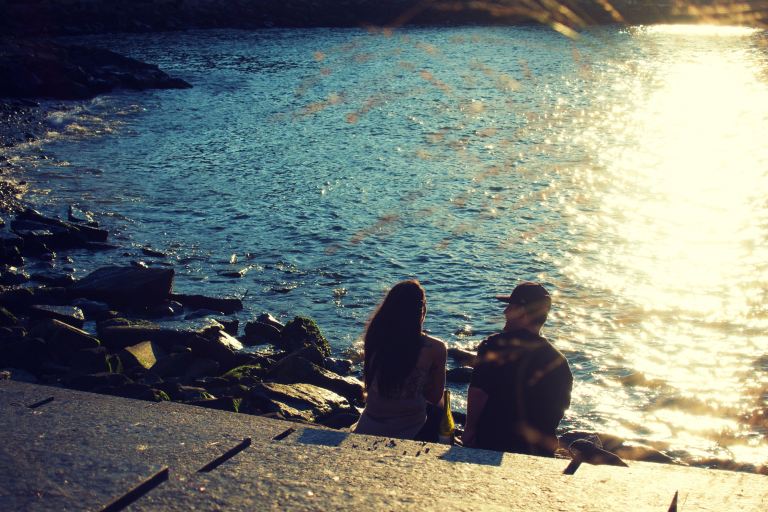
[(292, 370), (224, 305), (266, 318), (62, 339), (259, 333), (297, 401), (144, 355), (71, 315), (338, 366), (300, 332), (126, 286)]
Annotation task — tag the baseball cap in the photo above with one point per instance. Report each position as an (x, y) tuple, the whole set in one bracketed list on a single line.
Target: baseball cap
[(525, 293)]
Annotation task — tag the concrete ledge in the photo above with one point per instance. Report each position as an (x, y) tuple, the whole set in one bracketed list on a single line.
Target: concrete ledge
[(68, 450)]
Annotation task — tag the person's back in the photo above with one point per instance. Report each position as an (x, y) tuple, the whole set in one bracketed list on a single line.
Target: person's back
[(528, 384), (402, 412), (521, 385)]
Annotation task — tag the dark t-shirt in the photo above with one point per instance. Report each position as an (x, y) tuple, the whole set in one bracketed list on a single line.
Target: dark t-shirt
[(528, 383)]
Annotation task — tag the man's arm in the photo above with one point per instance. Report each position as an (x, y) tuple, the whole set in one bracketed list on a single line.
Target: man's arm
[(476, 401)]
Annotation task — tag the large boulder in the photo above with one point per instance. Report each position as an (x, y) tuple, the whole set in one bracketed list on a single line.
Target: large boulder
[(126, 286), (291, 370), (62, 339), (300, 332), (225, 305), (144, 355), (297, 401)]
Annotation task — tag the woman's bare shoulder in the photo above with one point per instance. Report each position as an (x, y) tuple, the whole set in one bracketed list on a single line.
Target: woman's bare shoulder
[(434, 344)]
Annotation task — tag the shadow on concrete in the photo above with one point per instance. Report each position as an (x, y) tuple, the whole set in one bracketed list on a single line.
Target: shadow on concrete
[(472, 456)]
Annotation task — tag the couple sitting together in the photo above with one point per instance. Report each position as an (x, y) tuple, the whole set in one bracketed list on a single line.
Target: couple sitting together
[(520, 388)]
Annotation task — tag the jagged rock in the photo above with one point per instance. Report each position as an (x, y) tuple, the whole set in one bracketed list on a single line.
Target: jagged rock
[(71, 315), (216, 348), (230, 326), (126, 286), (7, 319), (144, 355), (80, 216), (10, 276), (224, 305), (297, 401), (462, 374), (300, 332), (202, 367), (52, 70), (120, 336), (10, 249), (258, 333), (268, 319), (63, 339), (173, 365), (217, 333), (338, 366), (292, 370), (93, 310), (226, 403), (246, 374), (90, 361), (51, 278)]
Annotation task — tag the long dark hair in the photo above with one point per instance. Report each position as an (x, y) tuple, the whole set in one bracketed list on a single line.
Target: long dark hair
[(393, 337)]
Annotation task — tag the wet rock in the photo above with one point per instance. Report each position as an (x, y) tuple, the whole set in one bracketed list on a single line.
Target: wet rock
[(236, 273), (300, 332), (71, 315), (461, 375), (126, 286), (90, 361), (338, 366), (51, 70), (55, 233), (80, 216), (217, 348), (63, 339), (259, 333), (10, 276), (153, 253), (292, 370), (144, 355), (216, 332), (10, 249), (266, 318), (297, 401), (224, 305), (164, 309), (93, 310), (52, 278)]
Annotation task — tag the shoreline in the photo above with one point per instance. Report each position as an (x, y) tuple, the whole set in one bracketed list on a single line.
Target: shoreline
[(30, 119)]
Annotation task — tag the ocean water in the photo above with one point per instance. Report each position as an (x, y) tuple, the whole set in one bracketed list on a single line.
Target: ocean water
[(627, 170)]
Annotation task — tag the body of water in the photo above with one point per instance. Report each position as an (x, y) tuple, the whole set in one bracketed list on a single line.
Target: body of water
[(626, 170)]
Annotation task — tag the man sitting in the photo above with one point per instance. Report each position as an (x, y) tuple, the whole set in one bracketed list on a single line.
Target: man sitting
[(521, 385)]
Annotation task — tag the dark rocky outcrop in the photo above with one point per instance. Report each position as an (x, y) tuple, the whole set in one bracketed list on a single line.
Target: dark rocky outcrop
[(126, 286), (301, 332), (292, 370), (298, 401), (35, 69)]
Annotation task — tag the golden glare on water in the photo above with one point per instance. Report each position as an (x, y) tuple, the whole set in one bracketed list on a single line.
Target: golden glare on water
[(682, 226)]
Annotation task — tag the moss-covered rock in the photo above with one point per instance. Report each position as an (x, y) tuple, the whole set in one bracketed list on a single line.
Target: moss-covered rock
[(244, 372), (303, 331)]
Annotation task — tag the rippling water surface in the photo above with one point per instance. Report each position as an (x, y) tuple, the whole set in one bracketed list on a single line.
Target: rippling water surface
[(627, 170)]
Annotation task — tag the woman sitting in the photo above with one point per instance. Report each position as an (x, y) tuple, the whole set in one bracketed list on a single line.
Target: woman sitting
[(404, 368)]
